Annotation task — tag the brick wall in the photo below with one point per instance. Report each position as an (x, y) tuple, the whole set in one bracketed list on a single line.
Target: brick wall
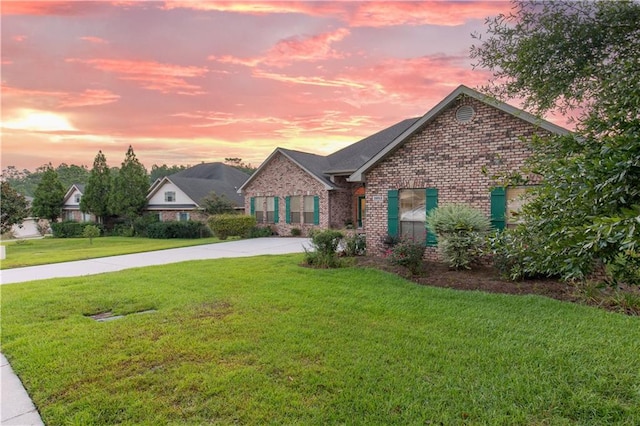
[(449, 156)]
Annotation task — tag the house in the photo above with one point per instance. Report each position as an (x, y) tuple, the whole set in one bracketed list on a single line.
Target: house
[(179, 196), (385, 184), (71, 205)]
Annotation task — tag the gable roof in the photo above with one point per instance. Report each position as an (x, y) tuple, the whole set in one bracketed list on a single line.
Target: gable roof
[(199, 181), (73, 188), (342, 162), (462, 90)]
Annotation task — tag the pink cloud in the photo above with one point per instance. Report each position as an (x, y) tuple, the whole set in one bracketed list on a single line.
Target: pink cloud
[(19, 38), (164, 78), (62, 8), (96, 40), (293, 49), (364, 13), (59, 99)]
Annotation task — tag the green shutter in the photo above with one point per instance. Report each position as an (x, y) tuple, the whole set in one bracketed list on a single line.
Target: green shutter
[(498, 208), (432, 203), (252, 207), (316, 210), (276, 216), (392, 212), (287, 207)]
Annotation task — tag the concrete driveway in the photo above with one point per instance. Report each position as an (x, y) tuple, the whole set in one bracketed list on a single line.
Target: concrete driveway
[(240, 248)]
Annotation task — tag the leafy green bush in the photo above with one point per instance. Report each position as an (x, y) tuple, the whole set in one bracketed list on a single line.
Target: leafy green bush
[(260, 231), (91, 232), (460, 230), (354, 245), (228, 225), (325, 244), (189, 229), (140, 224), (407, 253), (67, 229), (296, 232)]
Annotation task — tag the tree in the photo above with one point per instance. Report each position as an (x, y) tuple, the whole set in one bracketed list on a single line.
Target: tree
[(49, 196), (13, 207), (72, 174), (158, 172), (128, 195), (217, 204), (95, 199), (240, 165), (579, 57)]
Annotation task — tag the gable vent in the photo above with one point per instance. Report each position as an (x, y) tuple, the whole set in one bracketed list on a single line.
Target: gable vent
[(465, 114)]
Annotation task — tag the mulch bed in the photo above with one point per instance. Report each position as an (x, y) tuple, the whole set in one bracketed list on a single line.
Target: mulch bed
[(484, 278)]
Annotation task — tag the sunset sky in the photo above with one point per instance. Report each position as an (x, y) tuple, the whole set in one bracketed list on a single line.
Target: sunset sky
[(191, 81)]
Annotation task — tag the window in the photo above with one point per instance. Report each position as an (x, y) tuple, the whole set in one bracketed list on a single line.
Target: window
[(170, 197), (515, 200), (272, 209), (258, 208), (76, 198), (294, 209), (183, 216), (413, 212), (303, 209), (308, 209), (407, 211)]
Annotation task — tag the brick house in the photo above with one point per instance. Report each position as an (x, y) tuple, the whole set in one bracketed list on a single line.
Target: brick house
[(179, 196), (402, 172)]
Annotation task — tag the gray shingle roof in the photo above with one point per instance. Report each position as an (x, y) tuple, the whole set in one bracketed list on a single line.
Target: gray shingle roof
[(199, 181)]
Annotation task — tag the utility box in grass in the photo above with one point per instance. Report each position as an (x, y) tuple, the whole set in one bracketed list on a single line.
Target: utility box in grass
[(3, 253)]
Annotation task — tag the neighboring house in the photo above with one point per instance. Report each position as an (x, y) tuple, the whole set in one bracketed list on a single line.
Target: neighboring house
[(179, 196), (29, 228), (386, 183), (71, 205)]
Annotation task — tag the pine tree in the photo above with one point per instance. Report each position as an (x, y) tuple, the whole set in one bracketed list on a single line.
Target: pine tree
[(95, 199), (49, 196), (128, 196)]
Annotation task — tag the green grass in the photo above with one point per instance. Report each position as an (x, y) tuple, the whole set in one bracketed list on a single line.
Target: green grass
[(54, 250), (263, 341)]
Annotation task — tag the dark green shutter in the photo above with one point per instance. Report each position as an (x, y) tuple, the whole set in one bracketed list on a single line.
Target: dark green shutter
[(276, 216), (392, 212), (498, 208), (252, 207), (316, 210), (432, 203), (287, 208)]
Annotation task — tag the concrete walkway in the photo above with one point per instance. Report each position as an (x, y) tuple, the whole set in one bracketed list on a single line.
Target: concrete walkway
[(16, 407)]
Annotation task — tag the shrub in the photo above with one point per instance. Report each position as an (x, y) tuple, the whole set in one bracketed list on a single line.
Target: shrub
[(324, 255), (67, 229), (460, 230), (296, 232), (189, 229), (91, 232), (407, 253), (354, 245), (140, 224), (260, 231), (228, 225)]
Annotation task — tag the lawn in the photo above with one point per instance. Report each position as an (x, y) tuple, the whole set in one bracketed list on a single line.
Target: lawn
[(264, 341), (54, 250)]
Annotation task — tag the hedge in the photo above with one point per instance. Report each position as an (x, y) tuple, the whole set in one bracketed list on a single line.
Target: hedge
[(228, 225), (178, 229)]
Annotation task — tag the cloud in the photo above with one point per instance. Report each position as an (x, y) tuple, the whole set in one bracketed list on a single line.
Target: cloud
[(294, 49), (60, 99), (37, 121), (164, 78), (96, 40), (364, 13), (49, 8)]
